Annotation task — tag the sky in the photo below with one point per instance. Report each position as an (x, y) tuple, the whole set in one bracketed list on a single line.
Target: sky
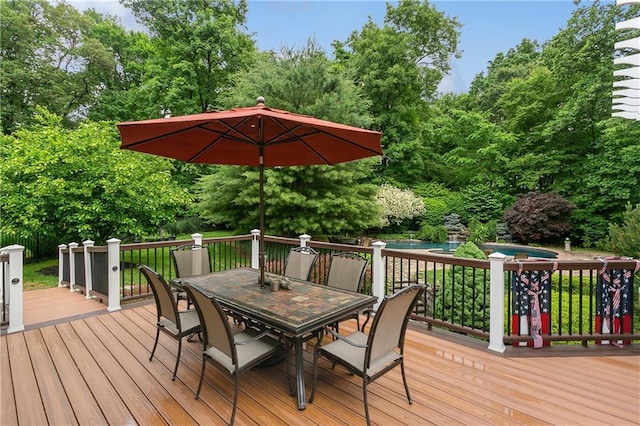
[(488, 26)]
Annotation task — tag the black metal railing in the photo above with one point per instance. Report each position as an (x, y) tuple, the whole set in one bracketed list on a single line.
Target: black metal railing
[(457, 291), (579, 305)]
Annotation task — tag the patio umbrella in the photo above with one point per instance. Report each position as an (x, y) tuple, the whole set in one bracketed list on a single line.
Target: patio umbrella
[(253, 136)]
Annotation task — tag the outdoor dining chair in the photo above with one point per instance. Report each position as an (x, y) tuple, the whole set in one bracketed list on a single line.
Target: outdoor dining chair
[(189, 260), (300, 262), (172, 321), (231, 352), (346, 272), (371, 355)]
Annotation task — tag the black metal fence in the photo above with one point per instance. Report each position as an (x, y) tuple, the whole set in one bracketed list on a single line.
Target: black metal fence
[(36, 247)]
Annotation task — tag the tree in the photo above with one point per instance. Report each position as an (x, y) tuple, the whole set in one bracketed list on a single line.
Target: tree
[(624, 239), (539, 217), (200, 45), (399, 66), (48, 59), (398, 205), (77, 184), (320, 199)]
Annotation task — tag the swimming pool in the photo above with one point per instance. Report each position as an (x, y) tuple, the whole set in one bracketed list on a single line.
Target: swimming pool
[(511, 250), (450, 247), (422, 245)]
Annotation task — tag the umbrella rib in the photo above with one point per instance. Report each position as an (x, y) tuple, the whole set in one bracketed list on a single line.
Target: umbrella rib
[(277, 141), (164, 135), (221, 135)]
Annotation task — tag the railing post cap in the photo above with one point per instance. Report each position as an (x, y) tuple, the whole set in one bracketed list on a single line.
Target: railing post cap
[(305, 237), (255, 232), (88, 242), (62, 246), (497, 256), (379, 244), (12, 248), (196, 235), (73, 245), (113, 241)]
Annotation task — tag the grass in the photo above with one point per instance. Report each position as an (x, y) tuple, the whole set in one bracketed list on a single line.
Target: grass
[(35, 278)]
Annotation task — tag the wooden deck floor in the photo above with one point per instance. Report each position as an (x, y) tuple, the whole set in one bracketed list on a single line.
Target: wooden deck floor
[(95, 370)]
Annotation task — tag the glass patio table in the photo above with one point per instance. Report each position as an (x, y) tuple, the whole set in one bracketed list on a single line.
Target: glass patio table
[(297, 312)]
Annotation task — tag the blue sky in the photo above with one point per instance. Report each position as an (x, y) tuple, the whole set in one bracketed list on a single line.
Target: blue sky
[(488, 27)]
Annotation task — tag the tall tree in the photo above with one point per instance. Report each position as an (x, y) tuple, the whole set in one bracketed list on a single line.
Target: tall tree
[(319, 200), (399, 66), (201, 44), (48, 58)]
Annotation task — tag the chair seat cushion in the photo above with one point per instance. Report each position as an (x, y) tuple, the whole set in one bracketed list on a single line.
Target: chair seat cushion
[(354, 356), (247, 353), (188, 320)]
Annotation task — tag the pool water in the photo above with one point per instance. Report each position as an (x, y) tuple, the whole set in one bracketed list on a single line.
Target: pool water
[(450, 247), (512, 250)]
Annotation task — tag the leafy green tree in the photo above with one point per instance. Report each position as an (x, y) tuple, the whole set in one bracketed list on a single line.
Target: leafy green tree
[(78, 184), (399, 65), (539, 217), (611, 178), (200, 45), (482, 202), (50, 59), (438, 202), (318, 199), (516, 63), (624, 238)]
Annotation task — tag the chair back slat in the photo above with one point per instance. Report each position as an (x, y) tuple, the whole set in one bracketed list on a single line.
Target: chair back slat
[(299, 262), (190, 260), (390, 322), (216, 330), (347, 271), (165, 301)]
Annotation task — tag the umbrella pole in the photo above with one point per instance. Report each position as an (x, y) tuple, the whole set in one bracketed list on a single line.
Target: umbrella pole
[(262, 247)]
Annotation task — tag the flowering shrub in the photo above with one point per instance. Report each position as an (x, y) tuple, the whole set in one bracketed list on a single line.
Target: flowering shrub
[(398, 205)]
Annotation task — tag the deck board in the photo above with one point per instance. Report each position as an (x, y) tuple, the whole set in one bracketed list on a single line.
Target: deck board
[(92, 367)]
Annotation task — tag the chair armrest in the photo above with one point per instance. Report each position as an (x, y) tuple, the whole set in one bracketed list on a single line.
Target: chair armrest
[(343, 338), (176, 283), (368, 313), (254, 338)]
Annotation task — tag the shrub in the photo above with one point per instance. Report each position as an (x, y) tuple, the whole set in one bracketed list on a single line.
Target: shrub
[(463, 299), (624, 239), (538, 217), (434, 234)]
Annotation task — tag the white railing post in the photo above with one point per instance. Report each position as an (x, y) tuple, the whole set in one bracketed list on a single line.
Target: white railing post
[(255, 248), (87, 268), (496, 316), (15, 287), (72, 267), (378, 276), (61, 247), (304, 239), (197, 239), (113, 254)]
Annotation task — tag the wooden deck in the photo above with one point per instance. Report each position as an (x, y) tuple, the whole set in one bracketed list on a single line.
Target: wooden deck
[(95, 370)]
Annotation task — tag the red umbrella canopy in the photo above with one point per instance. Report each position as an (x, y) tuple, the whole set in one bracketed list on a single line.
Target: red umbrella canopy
[(236, 136)]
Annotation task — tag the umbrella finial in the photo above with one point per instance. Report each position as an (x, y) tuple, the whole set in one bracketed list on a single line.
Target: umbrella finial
[(260, 100)]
